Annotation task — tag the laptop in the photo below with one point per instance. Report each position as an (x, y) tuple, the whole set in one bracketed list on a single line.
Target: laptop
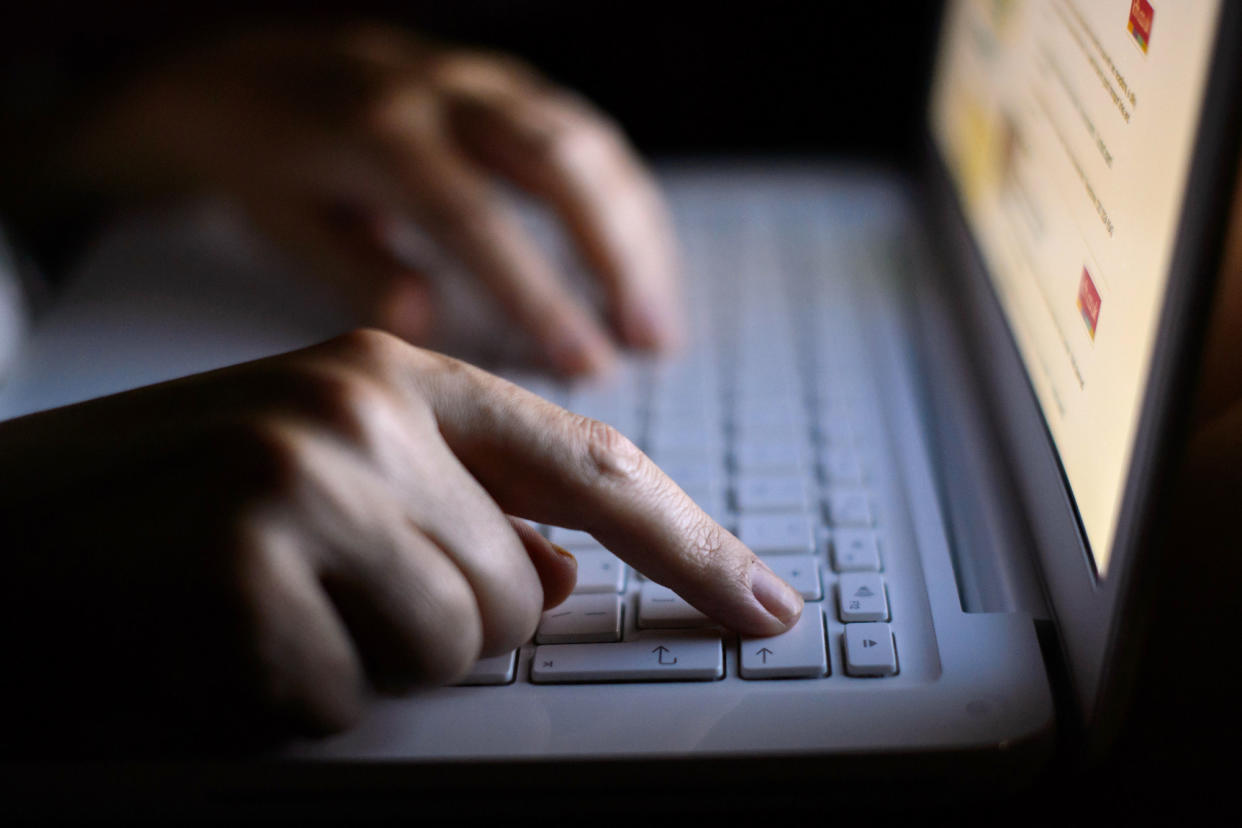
[(943, 405)]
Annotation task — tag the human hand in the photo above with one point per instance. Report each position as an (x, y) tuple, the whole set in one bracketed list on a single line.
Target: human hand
[(252, 550), (333, 141)]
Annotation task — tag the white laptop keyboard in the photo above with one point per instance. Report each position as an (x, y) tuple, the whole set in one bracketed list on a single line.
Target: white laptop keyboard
[(769, 422)]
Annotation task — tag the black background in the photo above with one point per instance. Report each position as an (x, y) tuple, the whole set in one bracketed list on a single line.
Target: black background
[(694, 77), (778, 76)]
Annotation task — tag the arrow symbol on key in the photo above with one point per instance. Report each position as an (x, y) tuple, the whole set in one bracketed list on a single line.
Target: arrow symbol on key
[(660, 653), (764, 652)]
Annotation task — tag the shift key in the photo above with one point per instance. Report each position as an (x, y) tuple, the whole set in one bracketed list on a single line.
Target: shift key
[(688, 656)]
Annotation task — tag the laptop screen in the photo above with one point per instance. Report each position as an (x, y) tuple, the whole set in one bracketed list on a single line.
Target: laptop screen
[(1068, 127)]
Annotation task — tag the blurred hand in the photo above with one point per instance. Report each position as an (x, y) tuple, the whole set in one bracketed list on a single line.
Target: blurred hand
[(334, 141), (253, 550)]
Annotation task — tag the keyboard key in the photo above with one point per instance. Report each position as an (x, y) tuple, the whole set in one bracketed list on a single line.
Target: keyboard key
[(769, 415), (777, 534), (492, 670), (582, 619), (687, 387), (849, 509), (870, 650), (800, 652), (759, 386), (744, 434), (707, 457), (670, 412), (840, 466), (768, 457), (760, 379), (770, 493), (833, 384), (835, 410), (861, 597), (661, 608), (835, 433), (855, 550), (799, 571), (690, 441), (659, 657), (599, 571)]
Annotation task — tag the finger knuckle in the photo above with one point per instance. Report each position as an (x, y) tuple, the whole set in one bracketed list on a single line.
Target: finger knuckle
[(371, 349), (264, 454), (347, 403), (607, 456), (383, 358)]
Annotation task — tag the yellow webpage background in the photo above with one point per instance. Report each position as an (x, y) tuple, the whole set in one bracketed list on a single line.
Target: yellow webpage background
[(1070, 145)]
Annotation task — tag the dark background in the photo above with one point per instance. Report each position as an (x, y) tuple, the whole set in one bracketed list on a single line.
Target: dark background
[(688, 77), (781, 76)]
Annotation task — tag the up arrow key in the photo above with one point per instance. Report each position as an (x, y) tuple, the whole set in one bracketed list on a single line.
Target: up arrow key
[(800, 652)]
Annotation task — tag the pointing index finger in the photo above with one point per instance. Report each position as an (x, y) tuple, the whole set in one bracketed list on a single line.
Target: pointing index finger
[(546, 464)]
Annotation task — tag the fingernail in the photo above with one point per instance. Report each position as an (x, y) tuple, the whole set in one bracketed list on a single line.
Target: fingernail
[(560, 550), (776, 596)]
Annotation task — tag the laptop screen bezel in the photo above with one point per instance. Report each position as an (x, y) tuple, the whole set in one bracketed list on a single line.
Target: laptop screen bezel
[(1100, 619)]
